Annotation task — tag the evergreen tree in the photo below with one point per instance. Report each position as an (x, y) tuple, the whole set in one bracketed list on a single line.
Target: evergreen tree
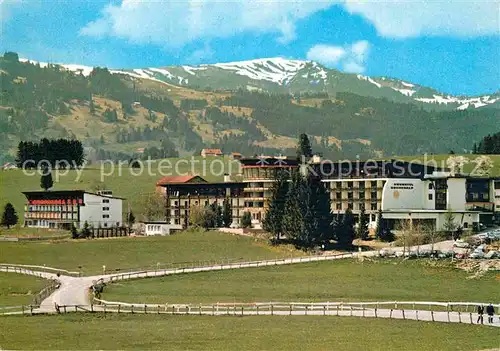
[(86, 232), (293, 215), (323, 214), (219, 219), (9, 216), (227, 213), (74, 231), (130, 219), (345, 233), (362, 232), (383, 233), (304, 147), (46, 181), (273, 220), (246, 220)]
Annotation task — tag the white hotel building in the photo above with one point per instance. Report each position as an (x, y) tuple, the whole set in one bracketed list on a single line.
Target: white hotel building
[(409, 191), (59, 209)]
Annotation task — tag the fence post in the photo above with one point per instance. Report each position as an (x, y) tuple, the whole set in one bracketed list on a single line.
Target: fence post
[(403, 314), (132, 309), (306, 310), (390, 314), (350, 308), (470, 313), (337, 309), (242, 310), (459, 317), (257, 310), (363, 307), (416, 314), (65, 308), (375, 312), (76, 308), (272, 310), (291, 307), (104, 309), (31, 309), (213, 310), (119, 309), (432, 315), (145, 309), (200, 309), (324, 310)]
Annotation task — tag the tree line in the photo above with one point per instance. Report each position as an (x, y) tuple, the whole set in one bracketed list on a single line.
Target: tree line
[(490, 145), (60, 152)]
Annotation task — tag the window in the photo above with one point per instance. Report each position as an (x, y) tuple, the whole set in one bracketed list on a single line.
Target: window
[(175, 203), (339, 185), (105, 216), (373, 207), (430, 196), (466, 225), (105, 201), (350, 196), (105, 224), (105, 208), (373, 195), (349, 206), (497, 185), (338, 195), (374, 184), (350, 185), (339, 206), (431, 186)]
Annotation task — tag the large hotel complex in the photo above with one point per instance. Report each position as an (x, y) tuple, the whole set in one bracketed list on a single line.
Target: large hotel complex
[(400, 189)]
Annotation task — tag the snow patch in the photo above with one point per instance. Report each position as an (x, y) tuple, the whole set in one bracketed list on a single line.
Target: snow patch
[(368, 79), (409, 85), (407, 92)]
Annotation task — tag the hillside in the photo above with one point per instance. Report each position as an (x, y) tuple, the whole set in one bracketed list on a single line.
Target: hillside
[(252, 108)]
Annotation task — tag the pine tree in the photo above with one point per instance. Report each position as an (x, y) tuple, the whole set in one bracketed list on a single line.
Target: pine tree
[(9, 216), (273, 220), (46, 181), (362, 232), (293, 214), (227, 213), (219, 219), (322, 212), (304, 147), (130, 218), (86, 232), (246, 220), (74, 231), (346, 233)]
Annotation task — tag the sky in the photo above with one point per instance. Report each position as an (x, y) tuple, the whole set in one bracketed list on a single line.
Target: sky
[(450, 45)]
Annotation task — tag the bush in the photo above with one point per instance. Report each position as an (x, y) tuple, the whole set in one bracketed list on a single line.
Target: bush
[(246, 220)]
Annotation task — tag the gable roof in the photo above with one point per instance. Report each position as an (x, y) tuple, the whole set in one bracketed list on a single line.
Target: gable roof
[(180, 179), (212, 151)]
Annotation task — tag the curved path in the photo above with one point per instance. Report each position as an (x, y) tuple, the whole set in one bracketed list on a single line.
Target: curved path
[(74, 290)]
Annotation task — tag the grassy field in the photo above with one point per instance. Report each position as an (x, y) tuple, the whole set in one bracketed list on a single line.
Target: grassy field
[(347, 280), (33, 232), (17, 289), (139, 252), (134, 188), (112, 332), (440, 161)]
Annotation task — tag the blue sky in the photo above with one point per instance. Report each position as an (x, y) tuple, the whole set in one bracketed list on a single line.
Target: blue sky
[(450, 45)]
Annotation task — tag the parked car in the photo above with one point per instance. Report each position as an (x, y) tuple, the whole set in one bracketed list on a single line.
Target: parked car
[(460, 243), (492, 254), (477, 254)]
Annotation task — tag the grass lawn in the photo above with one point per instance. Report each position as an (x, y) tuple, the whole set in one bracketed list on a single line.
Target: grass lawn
[(441, 161), (347, 280), (112, 332), (22, 232), (134, 188), (139, 252), (17, 289)]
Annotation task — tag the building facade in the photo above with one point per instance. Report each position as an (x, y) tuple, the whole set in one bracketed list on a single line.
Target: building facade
[(60, 209), (258, 177)]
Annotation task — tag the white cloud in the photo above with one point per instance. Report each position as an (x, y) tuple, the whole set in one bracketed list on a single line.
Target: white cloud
[(174, 23), (351, 58), (409, 18), (326, 54), (5, 6), (200, 55)]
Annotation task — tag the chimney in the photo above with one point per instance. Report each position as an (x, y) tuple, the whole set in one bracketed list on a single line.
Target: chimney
[(227, 178)]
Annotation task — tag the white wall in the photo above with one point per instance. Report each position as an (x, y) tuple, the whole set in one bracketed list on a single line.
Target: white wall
[(93, 212), (399, 193), (456, 194)]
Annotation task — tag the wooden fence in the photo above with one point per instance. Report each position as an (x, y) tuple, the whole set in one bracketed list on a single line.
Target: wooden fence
[(34, 270), (448, 312)]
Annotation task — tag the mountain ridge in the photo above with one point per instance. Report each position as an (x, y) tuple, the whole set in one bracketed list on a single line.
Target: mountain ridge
[(278, 74)]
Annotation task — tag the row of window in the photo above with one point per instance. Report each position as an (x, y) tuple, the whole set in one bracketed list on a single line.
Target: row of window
[(402, 187), (350, 196), (338, 206), (52, 208)]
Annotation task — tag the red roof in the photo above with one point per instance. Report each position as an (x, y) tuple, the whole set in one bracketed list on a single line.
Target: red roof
[(179, 179), (212, 151)]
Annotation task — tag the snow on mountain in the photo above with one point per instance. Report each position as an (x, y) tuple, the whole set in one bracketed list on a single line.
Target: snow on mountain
[(282, 72), (277, 70), (368, 79), (464, 102)]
